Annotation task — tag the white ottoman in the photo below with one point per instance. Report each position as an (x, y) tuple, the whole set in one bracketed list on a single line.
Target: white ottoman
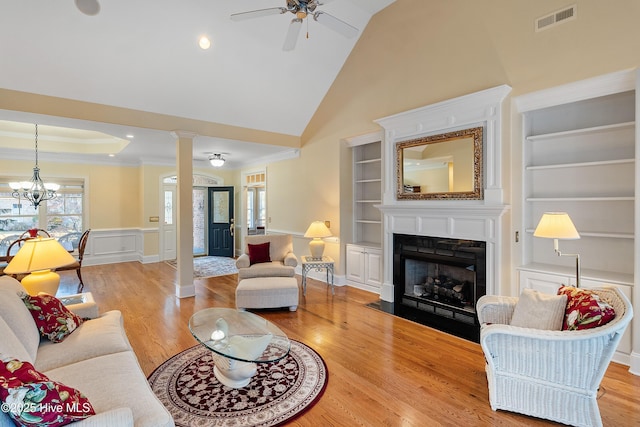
[(267, 292)]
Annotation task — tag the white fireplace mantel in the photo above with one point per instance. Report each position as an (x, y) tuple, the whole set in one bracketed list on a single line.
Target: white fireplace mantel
[(458, 219)]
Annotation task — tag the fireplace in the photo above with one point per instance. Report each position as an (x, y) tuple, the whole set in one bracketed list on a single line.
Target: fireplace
[(438, 282)]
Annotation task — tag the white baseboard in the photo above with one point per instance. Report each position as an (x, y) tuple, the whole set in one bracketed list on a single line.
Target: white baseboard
[(634, 363), (185, 291), (149, 259), (321, 276), (387, 292), (364, 287)]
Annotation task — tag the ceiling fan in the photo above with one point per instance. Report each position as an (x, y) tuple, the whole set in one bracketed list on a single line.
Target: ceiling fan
[(88, 7), (301, 9)]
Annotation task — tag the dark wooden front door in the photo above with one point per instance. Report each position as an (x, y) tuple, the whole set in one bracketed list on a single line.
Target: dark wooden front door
[(221, 221)]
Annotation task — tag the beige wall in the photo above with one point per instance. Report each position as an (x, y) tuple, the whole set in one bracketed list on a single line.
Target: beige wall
[(412, 54), (442, 49)]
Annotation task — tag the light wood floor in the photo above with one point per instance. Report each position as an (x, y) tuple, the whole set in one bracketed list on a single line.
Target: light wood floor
[(383, 370)]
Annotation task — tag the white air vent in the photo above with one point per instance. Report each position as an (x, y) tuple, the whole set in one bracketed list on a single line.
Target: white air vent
[(557, 17)]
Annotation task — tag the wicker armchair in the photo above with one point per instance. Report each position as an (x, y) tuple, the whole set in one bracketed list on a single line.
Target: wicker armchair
[(548, 374)]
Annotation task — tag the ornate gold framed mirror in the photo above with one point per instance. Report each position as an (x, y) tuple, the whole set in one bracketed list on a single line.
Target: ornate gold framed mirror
[(443, 166)]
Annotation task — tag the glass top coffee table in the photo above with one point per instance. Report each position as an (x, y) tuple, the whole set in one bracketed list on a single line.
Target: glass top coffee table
[(239, 340)]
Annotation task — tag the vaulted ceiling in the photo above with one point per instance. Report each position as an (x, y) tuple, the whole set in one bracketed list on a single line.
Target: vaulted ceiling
[(144, 55)]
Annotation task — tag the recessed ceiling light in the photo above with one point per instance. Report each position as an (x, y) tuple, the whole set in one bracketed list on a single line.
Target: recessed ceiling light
[(112, 155), (204, 43), (129, 136)]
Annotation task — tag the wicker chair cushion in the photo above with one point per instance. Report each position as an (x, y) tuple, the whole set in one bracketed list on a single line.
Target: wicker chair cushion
[(585, 309), (537, 310)]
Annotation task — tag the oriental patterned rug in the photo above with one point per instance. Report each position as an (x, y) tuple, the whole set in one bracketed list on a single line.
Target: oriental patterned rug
[(210, 266), (279, 392)]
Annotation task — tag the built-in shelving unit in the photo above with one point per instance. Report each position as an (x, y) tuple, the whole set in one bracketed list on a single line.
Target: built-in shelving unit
[(367, 193), (580, 155), (579, 158), (364, 253)]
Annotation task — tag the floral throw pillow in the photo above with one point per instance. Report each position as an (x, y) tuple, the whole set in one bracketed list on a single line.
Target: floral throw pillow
[(585, 309), (32, 399), (52, 318)]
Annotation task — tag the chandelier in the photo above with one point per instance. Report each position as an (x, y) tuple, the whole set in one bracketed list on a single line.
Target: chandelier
[(36, 191), (216, 160)]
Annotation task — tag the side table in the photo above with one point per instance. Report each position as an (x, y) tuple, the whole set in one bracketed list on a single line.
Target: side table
[(309, 263), (81, 304)]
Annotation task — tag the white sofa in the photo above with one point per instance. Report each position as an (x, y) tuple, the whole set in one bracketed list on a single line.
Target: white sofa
[(548, 374), (96, 359)]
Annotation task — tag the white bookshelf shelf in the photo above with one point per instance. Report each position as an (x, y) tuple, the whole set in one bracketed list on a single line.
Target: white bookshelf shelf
[(364, 162), (581, 131), (581, 164)]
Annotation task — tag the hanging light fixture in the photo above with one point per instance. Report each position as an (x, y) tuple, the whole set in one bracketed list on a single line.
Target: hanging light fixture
[(36, 191), (216, 160)]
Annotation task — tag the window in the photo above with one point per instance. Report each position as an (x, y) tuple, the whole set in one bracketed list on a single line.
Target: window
[(250, 208), (256, 207), (58, 216), (256, 202)]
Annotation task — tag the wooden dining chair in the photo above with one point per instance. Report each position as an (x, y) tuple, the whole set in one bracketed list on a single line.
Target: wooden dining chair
[(40, 232), (12, 249), (77, 266)]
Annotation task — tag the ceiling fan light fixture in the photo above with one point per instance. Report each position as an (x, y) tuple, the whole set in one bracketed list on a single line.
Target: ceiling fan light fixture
[(216, 160), (301, 14)]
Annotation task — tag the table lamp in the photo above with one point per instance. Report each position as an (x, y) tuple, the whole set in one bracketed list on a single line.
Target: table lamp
[(317, 230), (39, 256), (558, 225)]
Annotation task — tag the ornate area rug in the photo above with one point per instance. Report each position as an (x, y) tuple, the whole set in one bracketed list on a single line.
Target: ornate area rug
[(279, 391), (210, 266)]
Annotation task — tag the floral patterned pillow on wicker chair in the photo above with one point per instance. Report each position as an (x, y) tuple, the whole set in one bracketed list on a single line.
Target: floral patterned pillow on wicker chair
[(585, 309)]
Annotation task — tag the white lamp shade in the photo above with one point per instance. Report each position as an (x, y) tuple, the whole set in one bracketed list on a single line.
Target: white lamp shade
[(556, 225), (317, 229), (39, 254)]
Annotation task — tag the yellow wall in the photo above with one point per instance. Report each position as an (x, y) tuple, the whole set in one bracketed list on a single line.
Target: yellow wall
[(118, 196), (113, 191)]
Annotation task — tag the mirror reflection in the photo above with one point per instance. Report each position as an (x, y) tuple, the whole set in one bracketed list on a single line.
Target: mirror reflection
[(444, 166)]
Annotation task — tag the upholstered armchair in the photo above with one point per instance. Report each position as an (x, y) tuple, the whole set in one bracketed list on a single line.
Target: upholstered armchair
[(548, 374), (278, 260)]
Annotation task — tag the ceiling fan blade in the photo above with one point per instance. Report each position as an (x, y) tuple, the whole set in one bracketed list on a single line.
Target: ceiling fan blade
[(258, 13), (335, 24), (88, 7), (292, 34)]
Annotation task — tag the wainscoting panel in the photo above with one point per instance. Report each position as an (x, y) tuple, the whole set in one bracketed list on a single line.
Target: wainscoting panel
[(112, 246)]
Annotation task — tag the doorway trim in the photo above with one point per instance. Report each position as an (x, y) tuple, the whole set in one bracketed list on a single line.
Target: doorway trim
[(246, 183), (214, 181)]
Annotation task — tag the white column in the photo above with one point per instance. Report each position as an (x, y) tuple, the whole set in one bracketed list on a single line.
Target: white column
[(184, 249)]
